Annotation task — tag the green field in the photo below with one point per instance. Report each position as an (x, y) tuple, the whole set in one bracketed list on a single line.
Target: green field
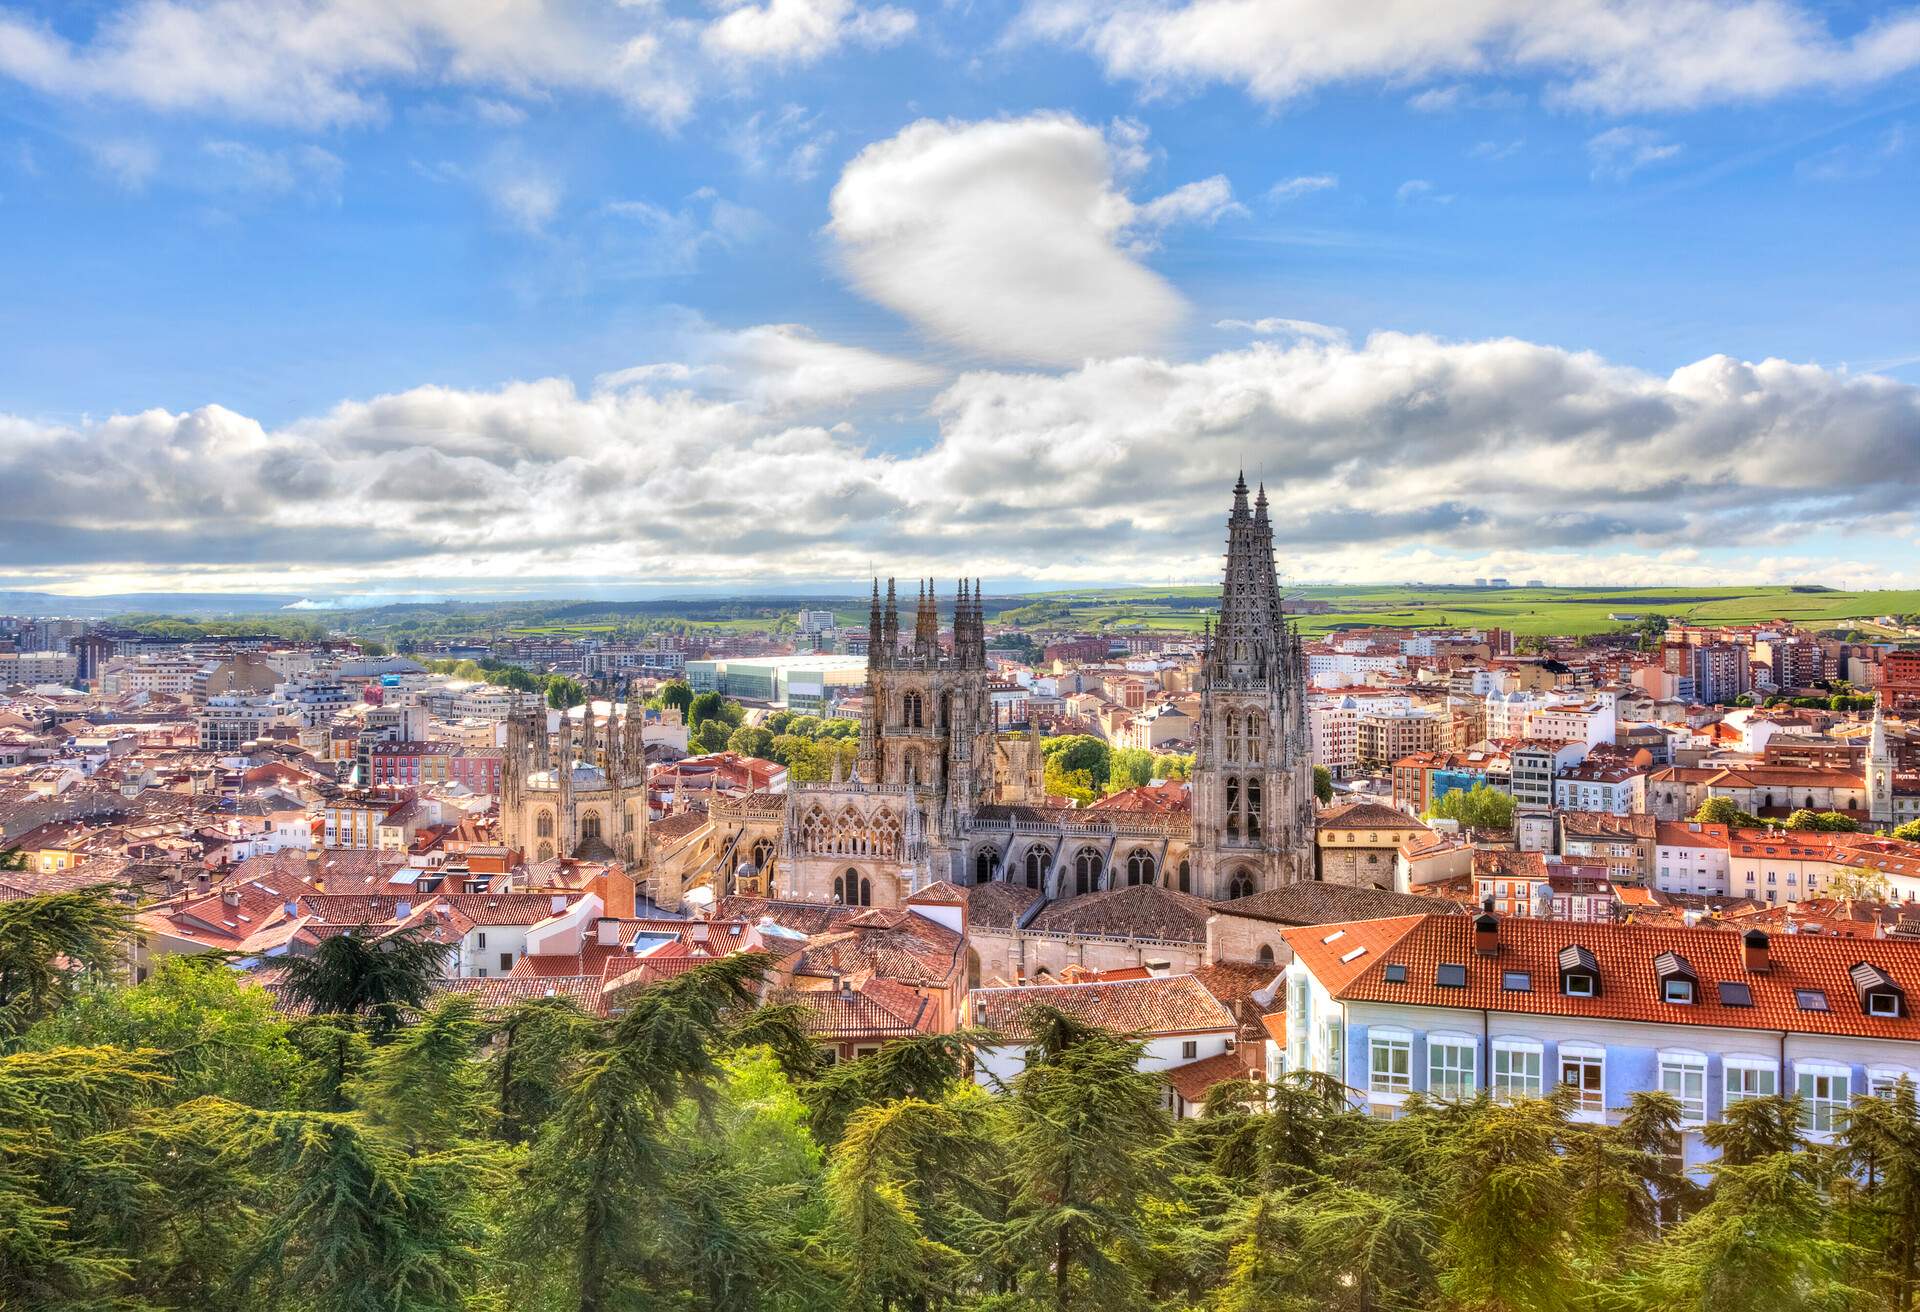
[(1523, 610)]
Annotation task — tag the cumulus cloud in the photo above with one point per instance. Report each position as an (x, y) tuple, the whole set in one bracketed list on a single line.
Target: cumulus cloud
[(1404, 456), (1619, 153), (1612, 55), (1415, 190), (1012, 239), (1318, 332), (318, 63), (800, 31)]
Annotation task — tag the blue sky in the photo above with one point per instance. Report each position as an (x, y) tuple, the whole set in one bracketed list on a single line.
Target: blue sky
[(361, 298)]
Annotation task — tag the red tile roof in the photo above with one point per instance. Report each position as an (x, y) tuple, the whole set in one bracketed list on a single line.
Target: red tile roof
[(1176, 1004), (1193, 1080), (1629, 988)]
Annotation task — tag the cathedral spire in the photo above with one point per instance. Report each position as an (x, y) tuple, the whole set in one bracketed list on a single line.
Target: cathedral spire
[(890, 629)]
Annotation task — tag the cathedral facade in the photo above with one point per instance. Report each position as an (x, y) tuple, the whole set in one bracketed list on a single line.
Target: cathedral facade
[(580, 792), (939, 795)]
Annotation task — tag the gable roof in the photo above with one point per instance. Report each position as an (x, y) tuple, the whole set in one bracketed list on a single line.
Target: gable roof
[(1627, 959), (1138, 911), (1316, 902)]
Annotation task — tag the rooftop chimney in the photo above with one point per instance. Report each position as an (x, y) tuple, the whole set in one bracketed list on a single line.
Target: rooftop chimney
[(402, 909), (1486, 933), (230, 896), (559, 903), (1756, 951), (607, 932)]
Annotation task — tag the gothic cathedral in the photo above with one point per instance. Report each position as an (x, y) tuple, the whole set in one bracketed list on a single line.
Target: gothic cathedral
[(939, 794)]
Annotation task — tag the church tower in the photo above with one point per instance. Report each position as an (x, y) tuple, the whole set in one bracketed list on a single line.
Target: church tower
[(928, 724), (1253, 810), (1879, 772)]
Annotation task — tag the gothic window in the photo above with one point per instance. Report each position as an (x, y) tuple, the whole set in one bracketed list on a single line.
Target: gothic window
[(1086, 870), (1186, 877), (546, 852), (1256, 730), (986, 866), (1266, 954), (851, 890), (1139, 867), (1253, 808), (1039, 859), (1233, 807), (911, 713), (589, 826), (1241, 885), (911, 762), (1233, 736), (762, 854), (543, 825), (886, 839), (946, 710)]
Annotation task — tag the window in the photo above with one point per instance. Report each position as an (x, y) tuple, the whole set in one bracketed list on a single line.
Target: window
[(482, 936), (1677, 990), (1516, 1070), (1750, 1079), (1395, 974), (1735, 994), (506, 961), (1392, 1068), (1580, 986), (1450, 1066), (1810, 999), (1885, 1082), (1684, 1075), (1883, 1004), (1190, 1048), (1517, 981), (1823, 1099), (1450, 976), (1583, 1070)]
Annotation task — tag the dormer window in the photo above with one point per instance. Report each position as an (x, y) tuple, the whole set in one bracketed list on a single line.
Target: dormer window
[(1879, 995), (1678, 982), (1579, 972)]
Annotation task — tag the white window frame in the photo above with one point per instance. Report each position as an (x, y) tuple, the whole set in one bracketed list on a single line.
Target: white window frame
[(1588, 1054), (1874, 996), (1692, 990), (1685, 1062), (1747, 1066), (1504, 1085), (1566, 984), (1388, 1085), (1463, 1079), (1888, 1077), (1830, 1109)]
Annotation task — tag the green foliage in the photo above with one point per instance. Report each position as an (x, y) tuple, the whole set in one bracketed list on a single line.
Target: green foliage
[(750, 742), (1323, 784), (1908, 832), (351, 974), (1722, 811), (1823, 821), (1075, 785), (564, 693), (48, 945), (1478, 807), (1079, 751), (677, 695), (1128, 767)]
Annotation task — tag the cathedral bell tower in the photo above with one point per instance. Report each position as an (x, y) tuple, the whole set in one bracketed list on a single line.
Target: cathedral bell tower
[(1253, 811)]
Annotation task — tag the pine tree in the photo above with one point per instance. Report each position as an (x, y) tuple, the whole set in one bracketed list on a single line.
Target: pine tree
[(47, 944), (537, 1043), (358, 975)]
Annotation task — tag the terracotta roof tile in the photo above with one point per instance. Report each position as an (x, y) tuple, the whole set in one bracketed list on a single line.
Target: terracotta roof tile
[(1139, 911), (1625, 956), (1176, 1004)]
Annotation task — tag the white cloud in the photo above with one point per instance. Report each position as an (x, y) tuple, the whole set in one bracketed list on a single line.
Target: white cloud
[(523, 195), (1011, 239), (801, 31), (1416, 190), (790, 141), (1619, 153), (645, 239), (1612, 55), (1495, 151), (1405, 456), (1459, 95), (1305, 185), (129, 165), (308, 170), (316, 63), (1306, 328)]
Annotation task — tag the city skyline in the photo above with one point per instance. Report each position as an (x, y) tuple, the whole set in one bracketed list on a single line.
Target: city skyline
[(375, 300)]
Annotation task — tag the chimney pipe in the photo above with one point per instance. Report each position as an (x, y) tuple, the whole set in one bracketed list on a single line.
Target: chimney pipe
[(1756, 951), (1486, 933), (607, 932)]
